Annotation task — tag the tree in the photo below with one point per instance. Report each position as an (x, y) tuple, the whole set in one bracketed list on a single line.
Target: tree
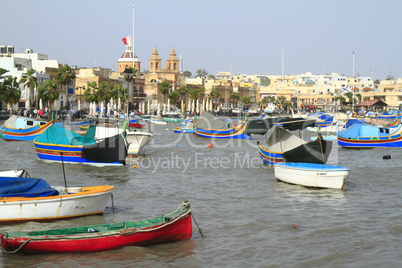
[(235, 97), (201, 73), (174, 97), (164, 89), (359, 97), (196, 93), (119, 92), (187, 74), (281, 102), (104, 92), (3, 71), (341, 100), (48, 92), (64, 76), (91, 93), (245, 100), (349, 95), (10, 91), (31, 82), (214, 95)]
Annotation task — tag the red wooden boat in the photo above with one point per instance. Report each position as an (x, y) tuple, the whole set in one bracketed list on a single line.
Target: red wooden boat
[(134, 125), (93, 238)]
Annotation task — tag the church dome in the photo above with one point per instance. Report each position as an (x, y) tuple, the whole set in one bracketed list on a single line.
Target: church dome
[(128, 56)]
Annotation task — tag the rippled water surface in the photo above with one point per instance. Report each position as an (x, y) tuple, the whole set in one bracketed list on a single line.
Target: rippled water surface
[(246, 215)]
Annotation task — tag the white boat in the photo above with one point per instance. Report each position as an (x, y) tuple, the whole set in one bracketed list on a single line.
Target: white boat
[(157, 121), (137, 141), (312, 175), (14, 173), (32, 199)]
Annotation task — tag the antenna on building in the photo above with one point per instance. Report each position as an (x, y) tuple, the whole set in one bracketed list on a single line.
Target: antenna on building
[(132, 44), (181, 62)]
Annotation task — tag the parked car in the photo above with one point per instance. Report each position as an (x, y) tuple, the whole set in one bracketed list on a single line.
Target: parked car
[(83, 113), (4, 115)]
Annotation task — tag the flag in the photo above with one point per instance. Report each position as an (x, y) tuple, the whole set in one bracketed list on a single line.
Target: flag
[(127, 40), (345, 89)]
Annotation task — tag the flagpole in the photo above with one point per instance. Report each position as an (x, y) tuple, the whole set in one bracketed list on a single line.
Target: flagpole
[(353, 88), (132, 40)]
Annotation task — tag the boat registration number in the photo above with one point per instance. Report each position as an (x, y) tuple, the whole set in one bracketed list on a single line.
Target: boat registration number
[(321, 174)]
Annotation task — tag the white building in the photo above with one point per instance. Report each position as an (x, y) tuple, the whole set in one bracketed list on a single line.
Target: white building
[(19, 63)]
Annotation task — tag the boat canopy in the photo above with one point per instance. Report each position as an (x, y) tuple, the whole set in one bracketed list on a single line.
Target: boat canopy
[(59, 135), (21, 122), (326, 117), (25, 187), (360, 130), (209, 121), (295, 123), (353, 121)]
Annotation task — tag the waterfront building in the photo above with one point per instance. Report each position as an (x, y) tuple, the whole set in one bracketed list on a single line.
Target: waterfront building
[(19, 63)]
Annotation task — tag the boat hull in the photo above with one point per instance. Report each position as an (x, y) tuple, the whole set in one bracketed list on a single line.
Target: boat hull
[(360, 136), (137, 142), (269, 157), (174, 230), (312, 175), (24, 134), (231, 133), (73, 203)]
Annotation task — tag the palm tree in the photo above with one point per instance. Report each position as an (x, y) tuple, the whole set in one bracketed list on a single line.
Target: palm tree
[(245, 100), (64, 76), (10, 91), (164, 89), (359, 97), (235, 97), (341, 99), (281, 102), (214, 96), (31, 82), (91, 93), (174, 97), (349, 95), (119, 92), (3, 71), (49, 93)]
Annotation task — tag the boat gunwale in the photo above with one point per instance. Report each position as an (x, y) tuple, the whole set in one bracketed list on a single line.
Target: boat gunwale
[(85, 191)]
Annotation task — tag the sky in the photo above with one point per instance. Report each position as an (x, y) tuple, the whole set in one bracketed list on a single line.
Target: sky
[(268, 37)]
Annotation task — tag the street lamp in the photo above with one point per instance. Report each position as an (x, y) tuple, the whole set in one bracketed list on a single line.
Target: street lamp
[(128, 74), (80, 98)]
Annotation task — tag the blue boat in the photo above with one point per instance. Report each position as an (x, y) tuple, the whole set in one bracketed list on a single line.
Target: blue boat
[(18, 128), (282, 145), (209, 126), (58, 144), (360, 136)]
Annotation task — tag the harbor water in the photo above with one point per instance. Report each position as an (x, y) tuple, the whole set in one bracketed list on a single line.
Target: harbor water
[(247, 217)]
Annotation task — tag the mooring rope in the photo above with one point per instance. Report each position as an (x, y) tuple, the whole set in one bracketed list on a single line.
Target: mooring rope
[(199, 229), (18, 249)]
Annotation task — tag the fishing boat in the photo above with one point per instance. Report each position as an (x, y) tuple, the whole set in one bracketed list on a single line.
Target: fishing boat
[(170, 227), (137, 139), (19, 128), (324, 120), (360, 136), (209, 126), (14, 173), (312, 175), (33, 199), (58, 144), (281, 141), (173, 119), (157, 121)]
